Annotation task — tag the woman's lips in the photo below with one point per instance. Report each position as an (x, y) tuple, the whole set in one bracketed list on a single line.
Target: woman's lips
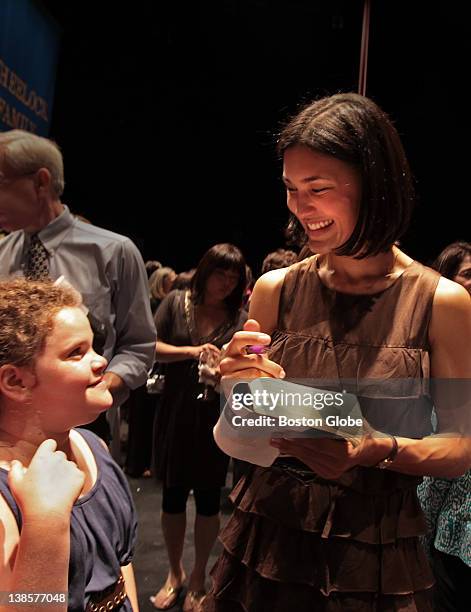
[(315, 226)]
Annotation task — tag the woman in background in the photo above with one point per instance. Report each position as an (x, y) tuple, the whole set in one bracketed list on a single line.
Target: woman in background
[(447, 502), (160, 284), (454, 262), (189, 323)]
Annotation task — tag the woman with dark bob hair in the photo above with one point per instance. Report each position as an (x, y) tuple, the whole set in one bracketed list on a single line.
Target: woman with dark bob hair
[(191, 323), (454, 262), (334, 524)]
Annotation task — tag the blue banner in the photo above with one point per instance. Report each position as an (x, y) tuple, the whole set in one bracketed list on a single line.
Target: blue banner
[(29, 49)]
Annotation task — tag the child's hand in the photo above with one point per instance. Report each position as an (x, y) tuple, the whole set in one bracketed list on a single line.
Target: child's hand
[(48, 488)]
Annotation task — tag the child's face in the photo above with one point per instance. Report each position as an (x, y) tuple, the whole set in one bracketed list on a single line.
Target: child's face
[(69, 389)]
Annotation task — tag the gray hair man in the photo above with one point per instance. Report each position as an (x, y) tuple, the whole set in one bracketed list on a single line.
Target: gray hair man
[(107, 268)]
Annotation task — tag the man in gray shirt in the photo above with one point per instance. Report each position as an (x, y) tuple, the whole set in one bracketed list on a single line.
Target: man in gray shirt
[(107, 268)]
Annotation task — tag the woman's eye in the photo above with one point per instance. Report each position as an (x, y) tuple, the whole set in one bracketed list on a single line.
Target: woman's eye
[(319, 189), (76, 352)]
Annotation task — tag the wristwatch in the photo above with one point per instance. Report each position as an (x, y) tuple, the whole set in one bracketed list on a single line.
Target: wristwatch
[(384, 463)]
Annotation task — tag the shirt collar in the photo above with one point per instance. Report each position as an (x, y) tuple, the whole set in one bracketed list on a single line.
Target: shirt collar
[(53, 234)]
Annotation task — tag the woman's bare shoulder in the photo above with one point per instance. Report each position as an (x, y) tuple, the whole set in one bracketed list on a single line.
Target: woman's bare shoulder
[(265, 300), (450, 330), (450, 300)]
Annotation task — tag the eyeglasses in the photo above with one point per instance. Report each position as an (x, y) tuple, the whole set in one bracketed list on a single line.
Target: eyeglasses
[(5, 180)]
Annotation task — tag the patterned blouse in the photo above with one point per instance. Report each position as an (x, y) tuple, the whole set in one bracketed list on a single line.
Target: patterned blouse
[(447, 506)]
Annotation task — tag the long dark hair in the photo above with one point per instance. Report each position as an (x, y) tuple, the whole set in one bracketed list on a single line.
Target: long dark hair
[(226, 257), (354, 129), (451, 258)]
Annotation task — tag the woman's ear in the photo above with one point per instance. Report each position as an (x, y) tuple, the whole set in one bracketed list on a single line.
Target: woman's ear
[(16, 383)]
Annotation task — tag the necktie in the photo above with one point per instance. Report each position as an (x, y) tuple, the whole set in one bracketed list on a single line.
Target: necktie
[(37, 263)]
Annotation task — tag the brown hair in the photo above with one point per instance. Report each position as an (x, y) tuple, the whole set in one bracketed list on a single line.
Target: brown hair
[(281, 258), (451, 258), (27, 311), (354, 129)]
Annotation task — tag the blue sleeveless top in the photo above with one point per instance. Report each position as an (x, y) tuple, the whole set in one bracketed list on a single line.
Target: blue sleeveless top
[(103, 528)]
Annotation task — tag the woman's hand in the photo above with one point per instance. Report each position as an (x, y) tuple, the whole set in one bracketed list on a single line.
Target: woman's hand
[(330, 458), (238, 364), (195, 351), (48, 487)]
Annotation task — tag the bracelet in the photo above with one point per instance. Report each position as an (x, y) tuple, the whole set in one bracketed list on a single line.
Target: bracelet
[(384, 463)]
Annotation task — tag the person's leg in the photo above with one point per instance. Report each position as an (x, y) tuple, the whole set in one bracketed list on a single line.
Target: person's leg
[(207, 524), (173, 520)]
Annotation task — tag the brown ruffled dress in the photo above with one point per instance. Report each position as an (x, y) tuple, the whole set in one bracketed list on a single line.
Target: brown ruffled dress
[(298, 542)]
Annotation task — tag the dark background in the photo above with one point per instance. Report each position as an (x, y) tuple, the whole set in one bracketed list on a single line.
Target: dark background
[(167, 113)]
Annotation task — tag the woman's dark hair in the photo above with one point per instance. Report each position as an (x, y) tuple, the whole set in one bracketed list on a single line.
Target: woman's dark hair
[(451, 258), (354, 129), (281, 258), (226, 257)]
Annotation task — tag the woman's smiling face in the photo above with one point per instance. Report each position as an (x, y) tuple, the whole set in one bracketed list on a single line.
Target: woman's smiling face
[(324, 194)]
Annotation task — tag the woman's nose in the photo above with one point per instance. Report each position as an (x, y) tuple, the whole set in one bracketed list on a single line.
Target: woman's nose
[(302, 205)]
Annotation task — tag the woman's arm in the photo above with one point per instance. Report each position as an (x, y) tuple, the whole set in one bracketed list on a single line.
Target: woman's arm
[(263, 319), (447, 454), (165, 352), (237, 364), (130, 583), (265, 300), (169, 353)]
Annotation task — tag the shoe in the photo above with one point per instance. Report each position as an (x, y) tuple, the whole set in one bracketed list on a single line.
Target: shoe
[(170, 592), (193, 601)]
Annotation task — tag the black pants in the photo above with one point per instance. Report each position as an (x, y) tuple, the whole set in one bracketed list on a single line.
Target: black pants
[(141, 413), (207, 501), (452, 592)]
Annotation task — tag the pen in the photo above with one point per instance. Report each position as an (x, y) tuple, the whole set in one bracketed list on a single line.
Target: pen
[(256, 349)]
